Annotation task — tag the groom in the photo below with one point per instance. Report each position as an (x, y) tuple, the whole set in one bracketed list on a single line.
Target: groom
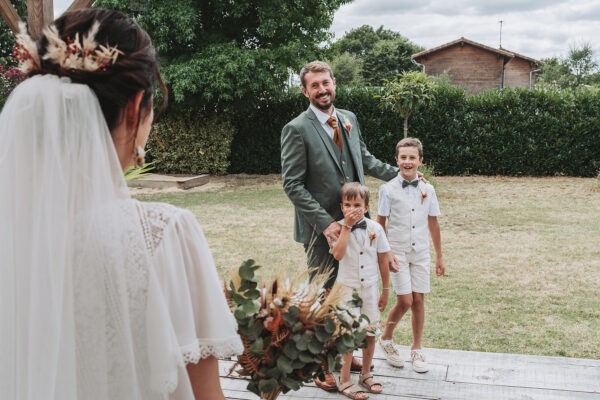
[(322, 149)]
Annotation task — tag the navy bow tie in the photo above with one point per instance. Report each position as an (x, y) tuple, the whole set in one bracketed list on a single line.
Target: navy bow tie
[(361, 225), (414, 183)]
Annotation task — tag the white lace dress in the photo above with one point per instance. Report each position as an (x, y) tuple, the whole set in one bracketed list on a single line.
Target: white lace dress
[(185, 269), (101, 297)]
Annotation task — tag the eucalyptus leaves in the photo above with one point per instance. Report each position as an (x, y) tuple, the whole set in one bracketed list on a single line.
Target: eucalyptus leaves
[(290, 331)]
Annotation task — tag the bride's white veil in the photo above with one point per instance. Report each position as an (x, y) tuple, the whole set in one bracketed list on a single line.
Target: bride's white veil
[(81, 316)]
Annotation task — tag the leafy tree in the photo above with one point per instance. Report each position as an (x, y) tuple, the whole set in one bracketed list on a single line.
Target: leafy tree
[(361, 40), (407, 93), (555, 72), (594, 79), (7, 38), (347, 69), (387, 59), (384, 53), (578, 68), (581, 62), (216, 52)]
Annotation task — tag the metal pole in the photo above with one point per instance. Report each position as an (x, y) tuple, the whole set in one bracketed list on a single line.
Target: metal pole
[(419, 64), (531, 74)]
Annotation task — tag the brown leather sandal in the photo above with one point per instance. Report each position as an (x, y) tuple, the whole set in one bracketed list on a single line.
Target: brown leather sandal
[(349, 389), (367, 381)]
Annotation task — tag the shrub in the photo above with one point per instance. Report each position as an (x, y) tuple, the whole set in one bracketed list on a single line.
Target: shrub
[(9, 79), (195, 143), (510, 132), (256, 147), (515, 132)]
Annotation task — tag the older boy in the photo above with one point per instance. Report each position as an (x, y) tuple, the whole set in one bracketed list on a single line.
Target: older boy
[(361, 250), (410, 209)]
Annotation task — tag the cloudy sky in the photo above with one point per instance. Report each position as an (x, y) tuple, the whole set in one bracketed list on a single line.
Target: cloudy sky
[(534, 28)]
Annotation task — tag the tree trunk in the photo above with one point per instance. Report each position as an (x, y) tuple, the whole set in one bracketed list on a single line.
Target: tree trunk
[(406, 125)]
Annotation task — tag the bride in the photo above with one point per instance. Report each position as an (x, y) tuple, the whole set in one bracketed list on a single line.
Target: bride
[(101, 296)]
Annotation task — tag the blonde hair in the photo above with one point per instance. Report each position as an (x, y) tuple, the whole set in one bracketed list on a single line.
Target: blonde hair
[(410, 142), (353, 190), (315, 66)]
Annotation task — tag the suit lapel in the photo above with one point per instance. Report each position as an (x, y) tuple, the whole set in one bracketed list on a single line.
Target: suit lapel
[(324, 137), (353, 143)]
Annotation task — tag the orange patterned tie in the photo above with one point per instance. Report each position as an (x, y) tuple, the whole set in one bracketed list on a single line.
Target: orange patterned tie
[(337, 135)]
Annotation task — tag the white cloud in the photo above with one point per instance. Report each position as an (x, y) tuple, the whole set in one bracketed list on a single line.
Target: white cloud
[(534, 28)]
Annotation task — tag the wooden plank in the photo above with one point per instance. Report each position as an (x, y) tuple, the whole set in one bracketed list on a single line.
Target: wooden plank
[(233, 390), (461, 391), (470, 375), (10, 15), (40, 13), (79, 4), (193, 181), (411, 389), (575, 378), (157, 181), (382, 370), (504, 360)]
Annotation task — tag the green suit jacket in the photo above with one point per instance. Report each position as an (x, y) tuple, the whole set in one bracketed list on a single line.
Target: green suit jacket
[(311, 172)]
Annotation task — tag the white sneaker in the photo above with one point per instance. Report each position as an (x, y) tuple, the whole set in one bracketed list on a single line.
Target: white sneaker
[(391, 354), (418, 361)]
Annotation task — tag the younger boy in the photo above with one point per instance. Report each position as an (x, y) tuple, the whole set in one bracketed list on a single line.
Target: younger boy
[(410, 209), (361, 249)]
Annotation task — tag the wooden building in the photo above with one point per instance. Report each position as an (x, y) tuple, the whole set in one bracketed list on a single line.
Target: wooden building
[(477, 67)]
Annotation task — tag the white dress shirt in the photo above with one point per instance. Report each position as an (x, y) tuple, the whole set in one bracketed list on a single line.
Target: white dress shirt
[(323, 117), (383, 206)]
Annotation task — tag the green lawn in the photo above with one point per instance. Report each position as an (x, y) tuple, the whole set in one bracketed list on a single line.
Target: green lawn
[(522, 256)]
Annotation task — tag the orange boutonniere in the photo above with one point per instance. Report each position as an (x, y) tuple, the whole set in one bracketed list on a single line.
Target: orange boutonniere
[(348, 126), (372, 236), (423, 197)]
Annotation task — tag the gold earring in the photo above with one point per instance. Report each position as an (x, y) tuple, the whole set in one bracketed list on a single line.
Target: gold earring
[(139, 156)]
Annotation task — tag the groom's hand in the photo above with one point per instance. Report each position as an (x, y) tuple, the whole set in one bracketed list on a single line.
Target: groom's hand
[(421, 177), (332, 232)]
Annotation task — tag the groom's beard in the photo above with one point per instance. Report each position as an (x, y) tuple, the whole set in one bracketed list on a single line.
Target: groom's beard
[(326, 106)]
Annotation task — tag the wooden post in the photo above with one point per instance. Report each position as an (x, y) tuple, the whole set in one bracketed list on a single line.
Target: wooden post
[(10, 15), (40, 13), (78, 4)]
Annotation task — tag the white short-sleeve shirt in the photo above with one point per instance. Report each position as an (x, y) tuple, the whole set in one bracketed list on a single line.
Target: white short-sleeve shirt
[(383, 246)]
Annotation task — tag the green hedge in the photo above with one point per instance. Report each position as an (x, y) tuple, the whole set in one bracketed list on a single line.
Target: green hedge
[(195, 143), (509, 132), (256, 147)]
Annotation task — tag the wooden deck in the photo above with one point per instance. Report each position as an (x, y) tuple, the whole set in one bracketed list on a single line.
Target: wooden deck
[(455, 375)]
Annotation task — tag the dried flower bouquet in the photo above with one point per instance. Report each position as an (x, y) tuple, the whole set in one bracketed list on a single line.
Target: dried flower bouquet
[(291, 331)]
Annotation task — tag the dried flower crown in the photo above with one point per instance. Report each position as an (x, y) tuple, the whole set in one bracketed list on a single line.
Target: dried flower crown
[(87, 56)]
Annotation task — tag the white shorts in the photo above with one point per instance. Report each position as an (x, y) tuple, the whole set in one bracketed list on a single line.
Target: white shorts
[(370, 299), (413, 274)]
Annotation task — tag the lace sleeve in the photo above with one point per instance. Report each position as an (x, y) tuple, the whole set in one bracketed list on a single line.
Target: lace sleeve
[(185, 268)]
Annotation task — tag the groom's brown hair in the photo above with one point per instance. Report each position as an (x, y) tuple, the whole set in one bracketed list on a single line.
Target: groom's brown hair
[(314, 66)]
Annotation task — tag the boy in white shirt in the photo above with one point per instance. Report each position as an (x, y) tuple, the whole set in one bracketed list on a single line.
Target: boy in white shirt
[(410, 209), (361, 249)]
